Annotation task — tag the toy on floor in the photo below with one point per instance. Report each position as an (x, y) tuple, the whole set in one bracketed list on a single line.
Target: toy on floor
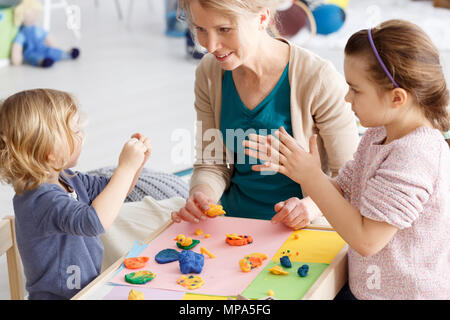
[(135, 263), (238, 240), (252, 261), (214, 210), (191, 282), (135, 295), (139, 277), (167, 255), (32, 43), (186, 243), (191, 262)]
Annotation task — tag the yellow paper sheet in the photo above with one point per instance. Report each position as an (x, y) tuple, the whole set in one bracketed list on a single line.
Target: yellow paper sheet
[(193, 296), (312, 246)]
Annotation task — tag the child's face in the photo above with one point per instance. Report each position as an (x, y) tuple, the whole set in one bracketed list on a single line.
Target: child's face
[(76, 124), (371, 108)]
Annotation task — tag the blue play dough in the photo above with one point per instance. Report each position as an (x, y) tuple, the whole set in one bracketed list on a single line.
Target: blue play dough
[(285, 262), (303, 270), (191, 262), (167, 255)]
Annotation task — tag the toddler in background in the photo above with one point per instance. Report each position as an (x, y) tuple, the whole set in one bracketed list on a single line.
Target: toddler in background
[(59, 214)]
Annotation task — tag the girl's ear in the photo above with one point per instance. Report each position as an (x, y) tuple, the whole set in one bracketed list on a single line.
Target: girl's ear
[(399, 97)]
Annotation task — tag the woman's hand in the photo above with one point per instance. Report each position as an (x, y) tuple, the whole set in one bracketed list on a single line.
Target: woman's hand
[(193, 211), (296, 213), (284, 155)]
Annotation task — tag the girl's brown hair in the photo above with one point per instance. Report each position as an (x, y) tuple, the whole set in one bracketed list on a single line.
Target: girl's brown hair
[(33, 123), (412, 60)]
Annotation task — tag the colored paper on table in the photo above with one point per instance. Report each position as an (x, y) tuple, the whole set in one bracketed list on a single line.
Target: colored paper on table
[(222, 275), (122, 292), (312, 246), (193, 296), (285, 287)]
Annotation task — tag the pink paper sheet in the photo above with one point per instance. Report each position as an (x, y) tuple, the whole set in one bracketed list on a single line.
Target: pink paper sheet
[(222, 274)]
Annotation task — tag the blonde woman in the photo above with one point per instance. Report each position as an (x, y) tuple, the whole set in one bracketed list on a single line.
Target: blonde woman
[(59, 213), (250, 82)]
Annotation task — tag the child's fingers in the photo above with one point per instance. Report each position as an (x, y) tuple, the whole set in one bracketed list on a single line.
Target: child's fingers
[(287, 139), (277, 145)]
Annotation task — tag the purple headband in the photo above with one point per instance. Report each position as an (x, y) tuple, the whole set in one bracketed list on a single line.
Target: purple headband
[(369, 33)]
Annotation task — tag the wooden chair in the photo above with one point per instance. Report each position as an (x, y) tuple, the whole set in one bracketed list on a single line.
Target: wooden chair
[(8, 244)]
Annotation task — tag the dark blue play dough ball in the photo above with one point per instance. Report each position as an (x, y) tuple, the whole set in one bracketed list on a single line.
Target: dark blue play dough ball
[(285, 262), (303, 270), (167, 255), (191, 262)]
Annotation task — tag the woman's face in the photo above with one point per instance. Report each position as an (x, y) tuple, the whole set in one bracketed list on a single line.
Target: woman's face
[(222, 37)]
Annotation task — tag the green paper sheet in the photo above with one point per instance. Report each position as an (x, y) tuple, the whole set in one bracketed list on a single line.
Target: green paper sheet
[(285, 287)]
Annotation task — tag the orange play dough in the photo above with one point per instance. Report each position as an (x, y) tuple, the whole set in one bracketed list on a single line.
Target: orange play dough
[(135, 263)]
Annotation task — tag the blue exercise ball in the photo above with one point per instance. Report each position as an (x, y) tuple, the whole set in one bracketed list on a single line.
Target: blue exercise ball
[(329, 18)]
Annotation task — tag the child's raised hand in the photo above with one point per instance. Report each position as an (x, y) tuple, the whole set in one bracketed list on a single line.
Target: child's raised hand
[(133, 154), (147, 142), (284, 155)]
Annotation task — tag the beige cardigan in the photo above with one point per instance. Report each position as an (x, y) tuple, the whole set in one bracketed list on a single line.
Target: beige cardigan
[(317, 106)]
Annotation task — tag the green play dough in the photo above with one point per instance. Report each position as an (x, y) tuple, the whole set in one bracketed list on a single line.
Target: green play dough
[(285, 287), (193, 244), (139, 277)]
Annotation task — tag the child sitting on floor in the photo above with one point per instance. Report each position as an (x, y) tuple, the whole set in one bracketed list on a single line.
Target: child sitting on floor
[(391, 204), (59, 213)]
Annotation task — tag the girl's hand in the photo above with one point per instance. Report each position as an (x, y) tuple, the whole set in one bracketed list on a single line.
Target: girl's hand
[(296, 213), (132, 155), (147, 142), (194, 209), (284, 155)]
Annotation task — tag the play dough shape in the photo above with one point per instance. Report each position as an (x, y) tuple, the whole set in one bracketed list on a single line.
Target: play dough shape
[(278, 270), (139, 277), (214, 210), (186, 243), (135, 295), (303, 270), (191, 282), (167, 255), (135, 263), (203, 250), (191, 262), (238, 240), (285, 262), (252, 261)]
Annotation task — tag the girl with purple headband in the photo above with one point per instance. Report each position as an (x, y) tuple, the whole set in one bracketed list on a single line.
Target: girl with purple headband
[(391, 202)]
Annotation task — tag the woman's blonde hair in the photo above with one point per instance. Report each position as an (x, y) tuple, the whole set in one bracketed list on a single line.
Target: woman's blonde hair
[(233, 9), (34, 124)]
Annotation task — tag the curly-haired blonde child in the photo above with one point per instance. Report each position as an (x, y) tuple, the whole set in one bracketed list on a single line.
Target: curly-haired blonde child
[(59, 213)]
